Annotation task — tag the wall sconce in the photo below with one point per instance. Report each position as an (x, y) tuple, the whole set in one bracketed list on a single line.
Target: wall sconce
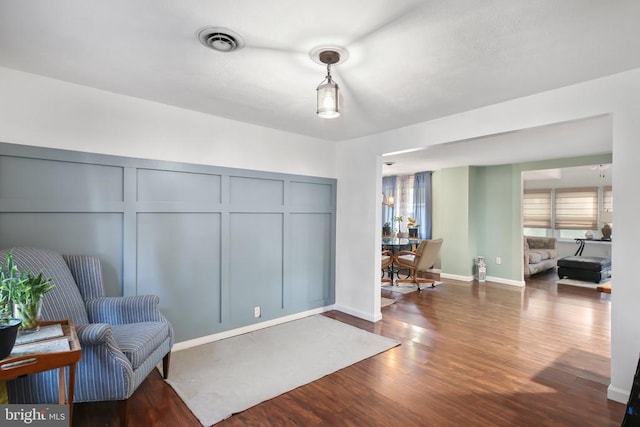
[(387, 201)]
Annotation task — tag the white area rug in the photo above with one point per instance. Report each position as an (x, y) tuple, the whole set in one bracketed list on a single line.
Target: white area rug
[(386, 301), (219, 379), (580, 283), (406, 288)]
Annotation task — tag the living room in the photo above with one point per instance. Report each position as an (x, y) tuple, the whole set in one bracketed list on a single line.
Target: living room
[(488, 194), (49, 110)]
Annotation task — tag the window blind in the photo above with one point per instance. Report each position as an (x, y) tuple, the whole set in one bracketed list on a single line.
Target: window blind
[(607, 202), (536, 209), (576, 208)]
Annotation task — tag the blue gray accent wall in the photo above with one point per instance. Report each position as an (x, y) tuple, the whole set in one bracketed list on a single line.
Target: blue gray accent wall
[(212, 242)]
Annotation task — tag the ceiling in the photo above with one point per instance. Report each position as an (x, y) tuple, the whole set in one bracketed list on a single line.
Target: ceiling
[(409, 61), (558, 141)]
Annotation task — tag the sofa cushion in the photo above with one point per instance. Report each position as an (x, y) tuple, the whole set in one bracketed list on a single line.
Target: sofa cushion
[(541, 242), (535, 257)]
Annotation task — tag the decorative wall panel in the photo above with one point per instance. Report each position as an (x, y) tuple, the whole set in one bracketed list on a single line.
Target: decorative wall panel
[(212, 242)]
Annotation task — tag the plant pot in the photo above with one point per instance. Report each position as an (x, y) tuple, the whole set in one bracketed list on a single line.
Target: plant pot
[(8, 334), (413, 233), (29, 314), (386, 231)]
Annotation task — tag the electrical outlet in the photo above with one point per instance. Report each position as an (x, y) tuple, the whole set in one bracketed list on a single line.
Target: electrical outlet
[(256, 311), (498, 260)]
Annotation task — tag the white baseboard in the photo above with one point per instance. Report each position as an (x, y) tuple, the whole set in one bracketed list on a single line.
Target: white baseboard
[(456, 277), (182, 345), (360, 314), (519, 283), (434, 270), (618, 394)]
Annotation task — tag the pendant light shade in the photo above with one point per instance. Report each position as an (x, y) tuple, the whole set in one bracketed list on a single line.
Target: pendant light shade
[(328, 99), (328, 93)]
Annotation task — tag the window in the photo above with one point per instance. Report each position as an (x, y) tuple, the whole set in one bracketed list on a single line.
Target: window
[(576, 208), (404, 201), (536, 209), (607, 199)]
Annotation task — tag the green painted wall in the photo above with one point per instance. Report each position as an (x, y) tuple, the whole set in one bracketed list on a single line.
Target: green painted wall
[(436, 220), (478, 211), (494, 217), (454, 221)]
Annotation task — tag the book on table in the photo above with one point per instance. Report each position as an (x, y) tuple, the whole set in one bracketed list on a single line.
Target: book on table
[(47, 339)]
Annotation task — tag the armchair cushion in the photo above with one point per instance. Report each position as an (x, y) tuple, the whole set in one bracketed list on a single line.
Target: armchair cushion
[(407, 258), (138, 340)]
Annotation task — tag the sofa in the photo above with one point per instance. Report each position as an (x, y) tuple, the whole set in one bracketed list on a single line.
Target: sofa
[(540, 254)]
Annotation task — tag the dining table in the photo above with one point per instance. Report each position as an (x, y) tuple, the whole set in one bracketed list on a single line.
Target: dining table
[(395, 245)]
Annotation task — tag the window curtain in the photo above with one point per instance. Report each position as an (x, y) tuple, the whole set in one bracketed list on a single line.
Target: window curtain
[(404, 201), (607, 197), (422, 204), (389, 190), (536, 208), (576, 208)]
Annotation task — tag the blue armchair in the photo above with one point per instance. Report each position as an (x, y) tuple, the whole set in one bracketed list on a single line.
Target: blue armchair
[(122, 338)]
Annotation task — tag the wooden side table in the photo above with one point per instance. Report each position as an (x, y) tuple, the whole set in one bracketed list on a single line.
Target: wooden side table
[(15, 366)]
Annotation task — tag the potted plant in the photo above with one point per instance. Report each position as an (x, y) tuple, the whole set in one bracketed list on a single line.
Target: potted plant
[(386, 229), (24, 291), (399, 220), (8, 326), (413, 227), (8, 334)]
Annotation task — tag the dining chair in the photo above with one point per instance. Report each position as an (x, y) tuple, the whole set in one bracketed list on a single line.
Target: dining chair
[(421, 259), (385, 263)]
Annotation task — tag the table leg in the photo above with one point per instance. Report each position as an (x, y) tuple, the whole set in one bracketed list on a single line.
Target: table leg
[(61, 393), (71, 389)]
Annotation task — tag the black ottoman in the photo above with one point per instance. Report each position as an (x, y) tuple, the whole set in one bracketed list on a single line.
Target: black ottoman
[(586, 268)]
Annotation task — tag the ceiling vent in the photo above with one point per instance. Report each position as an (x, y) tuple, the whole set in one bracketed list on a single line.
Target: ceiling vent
[(220, 39)]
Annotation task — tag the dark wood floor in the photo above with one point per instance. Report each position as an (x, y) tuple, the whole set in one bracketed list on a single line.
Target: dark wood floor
[(471, 355)]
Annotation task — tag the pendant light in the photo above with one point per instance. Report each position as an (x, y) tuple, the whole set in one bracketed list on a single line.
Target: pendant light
[(328, 102)]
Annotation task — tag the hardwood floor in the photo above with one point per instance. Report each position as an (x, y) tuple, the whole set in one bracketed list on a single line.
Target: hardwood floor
[(471, 355)]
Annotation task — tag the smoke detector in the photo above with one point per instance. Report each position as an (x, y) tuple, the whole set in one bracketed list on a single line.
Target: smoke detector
[(220, 39)]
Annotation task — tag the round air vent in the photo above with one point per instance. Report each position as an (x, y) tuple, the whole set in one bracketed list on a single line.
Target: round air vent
[(220, 39)]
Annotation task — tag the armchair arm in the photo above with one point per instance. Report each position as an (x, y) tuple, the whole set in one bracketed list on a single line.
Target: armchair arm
[(94, 333), (403, 262), (123, 310), (103, 373)]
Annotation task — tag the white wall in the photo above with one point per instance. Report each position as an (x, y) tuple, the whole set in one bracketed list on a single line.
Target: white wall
[(40, 111), (359, 293), (618, 95)]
